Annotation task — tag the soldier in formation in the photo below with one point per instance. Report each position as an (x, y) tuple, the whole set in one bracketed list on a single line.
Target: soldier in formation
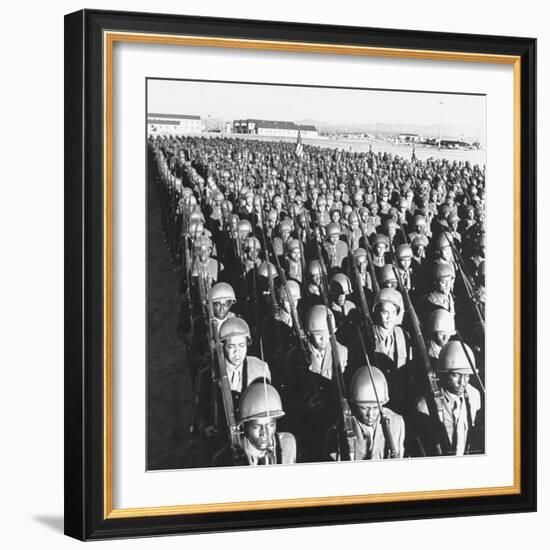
[(346, 289)]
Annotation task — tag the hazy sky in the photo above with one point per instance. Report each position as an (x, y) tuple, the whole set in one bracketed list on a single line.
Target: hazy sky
[(332, 106)]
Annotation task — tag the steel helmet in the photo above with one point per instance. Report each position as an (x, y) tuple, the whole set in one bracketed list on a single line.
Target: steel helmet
[(316, 319), (353, 217), (390, 224), (272, 215), (403, 251), (293, 288), (196, 215), (293, 244), (387, 273), (321, 201), (453, 358), (420, 240), (203, 241), (195, 227), (347, 208), (222, 291), (379, 238), (419, 219), (360, 252), (389, 295), (314, 267), (267, 270), (441, 320), (233, 327), (285, 225), (340, 284), (443, 241), (443, 270), (362, 387), (260, 400), (251, 243), (333, 229)]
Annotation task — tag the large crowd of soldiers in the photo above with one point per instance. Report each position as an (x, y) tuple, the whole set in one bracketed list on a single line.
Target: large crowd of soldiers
[(332, 302)]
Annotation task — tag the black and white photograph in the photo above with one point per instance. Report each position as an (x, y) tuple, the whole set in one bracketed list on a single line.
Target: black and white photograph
[(315, 274)]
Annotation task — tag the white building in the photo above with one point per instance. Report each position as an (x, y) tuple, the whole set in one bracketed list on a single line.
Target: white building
[(162, 124), (274, 128), (408, 138)]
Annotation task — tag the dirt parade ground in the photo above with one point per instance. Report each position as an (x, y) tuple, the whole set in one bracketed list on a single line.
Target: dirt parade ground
[(169, 397)]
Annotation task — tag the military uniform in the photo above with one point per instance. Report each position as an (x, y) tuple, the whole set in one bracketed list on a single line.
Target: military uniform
[(461, 417), (284, 452), (303, 380), (374, 443)]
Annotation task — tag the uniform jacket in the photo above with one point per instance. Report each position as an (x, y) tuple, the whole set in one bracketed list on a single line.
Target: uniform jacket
[(427, 432), (335, 254), (253, 370), (379, 448), (284, 453)]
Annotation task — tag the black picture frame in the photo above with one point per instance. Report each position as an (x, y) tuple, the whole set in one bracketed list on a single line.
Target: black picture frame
[(85, 516)]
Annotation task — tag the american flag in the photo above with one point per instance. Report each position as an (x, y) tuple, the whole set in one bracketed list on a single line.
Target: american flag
[(299, 146)]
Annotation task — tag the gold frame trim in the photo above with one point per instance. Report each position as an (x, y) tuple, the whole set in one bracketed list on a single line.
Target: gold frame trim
[(109, 39)]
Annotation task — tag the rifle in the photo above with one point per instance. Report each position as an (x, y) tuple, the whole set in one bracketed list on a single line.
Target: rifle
[(372, 271), (213, 340), (468, 284), (384, 420), (434, 397), (233, 428), (299, 333), (349, 451)]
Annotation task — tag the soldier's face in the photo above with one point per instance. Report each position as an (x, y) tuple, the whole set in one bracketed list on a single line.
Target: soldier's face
[(454, 382), (380, 249), (367, 413), (339, 299), (418, 250), (234, 349), (441, 337), (333, 239), (390, 283), (252, 254), (294, 254), (387, 315), (261, 432), (354, 224), (446, 253), (285, 233), (444, 285), (315, 278), (221, 308), (320, 339), (204, 253), (405, 263)]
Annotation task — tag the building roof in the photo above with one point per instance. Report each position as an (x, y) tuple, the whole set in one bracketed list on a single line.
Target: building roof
[(307, 127), (178, 117), (163, 121)]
